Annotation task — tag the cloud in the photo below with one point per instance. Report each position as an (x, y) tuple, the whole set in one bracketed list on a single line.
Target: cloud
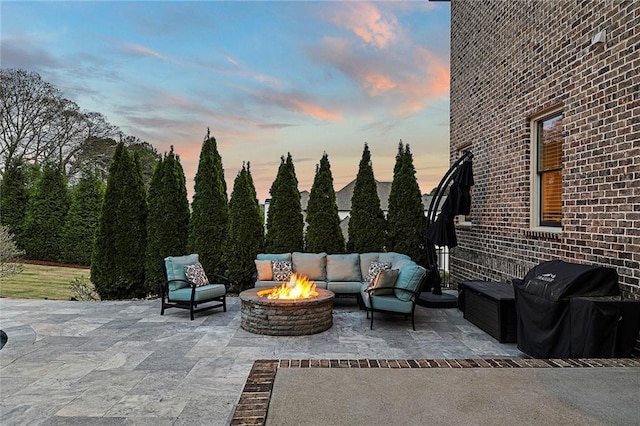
[(21, 53), (367, 22), (405, 79), (297, 102), (139, 50)]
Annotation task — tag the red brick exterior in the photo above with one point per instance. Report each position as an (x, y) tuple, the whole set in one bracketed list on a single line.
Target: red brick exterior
[(512, 60)]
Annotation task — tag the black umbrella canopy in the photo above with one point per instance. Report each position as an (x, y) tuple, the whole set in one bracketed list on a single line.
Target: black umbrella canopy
[(442, 232), (464, 174), (458, 201)]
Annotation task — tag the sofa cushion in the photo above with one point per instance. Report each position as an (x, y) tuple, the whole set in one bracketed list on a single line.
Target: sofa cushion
[(311, 265), (175, 269), (376, 267), (274, 256), (409, 278), (344, 287), (384, 282), (365, 262), (343, 267), (264, 269), (195, 273), (281, 270), (393, 258)]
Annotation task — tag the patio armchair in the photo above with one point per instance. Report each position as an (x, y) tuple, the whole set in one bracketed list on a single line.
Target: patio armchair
[(186, 286), (394, 291)]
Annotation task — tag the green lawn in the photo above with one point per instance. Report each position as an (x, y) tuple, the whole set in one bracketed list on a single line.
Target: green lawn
[(41, 282)]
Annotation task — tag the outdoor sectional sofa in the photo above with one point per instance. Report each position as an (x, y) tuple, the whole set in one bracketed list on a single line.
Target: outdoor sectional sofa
[(347, 274)]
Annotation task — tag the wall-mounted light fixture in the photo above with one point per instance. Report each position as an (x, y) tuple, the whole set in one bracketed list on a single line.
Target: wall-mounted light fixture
[(600, 38)]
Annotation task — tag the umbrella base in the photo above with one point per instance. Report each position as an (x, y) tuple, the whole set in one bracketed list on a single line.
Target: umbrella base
[(439, 301)]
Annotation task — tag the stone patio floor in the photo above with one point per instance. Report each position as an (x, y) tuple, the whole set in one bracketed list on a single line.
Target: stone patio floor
[(121, 362)]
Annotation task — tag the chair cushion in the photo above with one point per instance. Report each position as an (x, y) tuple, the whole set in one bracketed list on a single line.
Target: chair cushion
[(274, 256), (175, 269), (311, 265), (195, 274), (281, 270), (264, 269), (204, 292), (343, 267), (384, 282), (365, 262), (376, 267), (409, 278), (385, 303)]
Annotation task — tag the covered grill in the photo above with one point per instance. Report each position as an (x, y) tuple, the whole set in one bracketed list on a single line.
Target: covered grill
[(543, 308)]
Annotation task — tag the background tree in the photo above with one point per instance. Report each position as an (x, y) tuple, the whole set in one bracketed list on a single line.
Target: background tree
[(323, 230), (367, 225), (168, 217), (46, 213), (14, 199), (117, 262), (246, 231), (82, 219), (285, 225), (209, 209), (406, 217), (38, 125)]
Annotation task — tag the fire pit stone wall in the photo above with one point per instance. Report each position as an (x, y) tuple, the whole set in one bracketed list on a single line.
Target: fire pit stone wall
[(261, 315)]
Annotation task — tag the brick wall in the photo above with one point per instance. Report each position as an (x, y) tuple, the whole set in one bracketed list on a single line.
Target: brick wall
[(511, 60)]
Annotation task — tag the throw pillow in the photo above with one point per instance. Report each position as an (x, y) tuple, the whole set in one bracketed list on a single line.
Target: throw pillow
[(384, 282), (265, 272), (376, 267), (195, 274), (281, 270)]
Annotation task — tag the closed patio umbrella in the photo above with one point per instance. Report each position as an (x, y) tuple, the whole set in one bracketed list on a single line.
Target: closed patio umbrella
[(440, 229)]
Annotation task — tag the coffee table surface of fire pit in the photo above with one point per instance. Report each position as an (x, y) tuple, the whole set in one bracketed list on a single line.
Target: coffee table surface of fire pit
[(281, 317)]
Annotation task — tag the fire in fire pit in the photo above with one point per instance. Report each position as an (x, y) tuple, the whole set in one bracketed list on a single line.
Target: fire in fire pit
[(295, 308), (296, 288)]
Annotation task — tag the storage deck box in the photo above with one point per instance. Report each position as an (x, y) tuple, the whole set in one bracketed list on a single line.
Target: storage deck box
[(491, 307)]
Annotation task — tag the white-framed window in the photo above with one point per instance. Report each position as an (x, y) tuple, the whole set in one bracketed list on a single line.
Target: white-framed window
[(546, 170)]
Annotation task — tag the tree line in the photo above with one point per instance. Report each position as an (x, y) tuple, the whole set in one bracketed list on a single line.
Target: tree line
[(124, 228)]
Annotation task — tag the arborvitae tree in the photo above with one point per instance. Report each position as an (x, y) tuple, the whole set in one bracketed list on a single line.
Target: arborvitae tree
[(117, 262), (14, 200), (246, 231), (82, 219), (46, 213), (285, 225), (406, 217), (367, 225), (323, 230), (209, 209), (168, 217)]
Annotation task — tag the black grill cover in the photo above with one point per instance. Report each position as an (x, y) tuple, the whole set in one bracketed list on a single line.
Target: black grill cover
[(542, 304)]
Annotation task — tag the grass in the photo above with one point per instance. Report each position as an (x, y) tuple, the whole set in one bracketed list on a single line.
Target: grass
[(41, 282)]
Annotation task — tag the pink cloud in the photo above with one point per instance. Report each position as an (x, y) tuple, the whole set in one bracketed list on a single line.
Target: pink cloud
[(299, 103), (367, 22)]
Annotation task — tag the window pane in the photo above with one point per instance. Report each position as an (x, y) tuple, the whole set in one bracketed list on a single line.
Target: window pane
[(550, 143), (551, 198)]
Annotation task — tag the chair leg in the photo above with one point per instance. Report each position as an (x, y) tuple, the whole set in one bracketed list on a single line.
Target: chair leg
[(224, 303), (371, 327), (191, 310)]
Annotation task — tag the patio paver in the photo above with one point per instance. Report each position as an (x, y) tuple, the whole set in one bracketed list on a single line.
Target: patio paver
[(121, 362)]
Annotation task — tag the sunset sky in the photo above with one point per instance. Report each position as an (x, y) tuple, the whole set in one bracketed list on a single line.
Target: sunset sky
[(267, 78)]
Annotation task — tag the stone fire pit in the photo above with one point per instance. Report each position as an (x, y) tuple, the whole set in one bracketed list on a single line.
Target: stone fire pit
[(277, 317)]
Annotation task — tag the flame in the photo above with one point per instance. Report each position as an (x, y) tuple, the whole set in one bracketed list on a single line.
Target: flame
[(298, 287)]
